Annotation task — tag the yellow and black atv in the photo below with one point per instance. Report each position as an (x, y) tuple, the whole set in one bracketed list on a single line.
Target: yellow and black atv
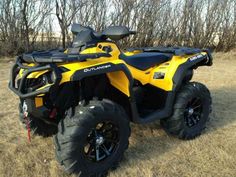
[(88, 95)]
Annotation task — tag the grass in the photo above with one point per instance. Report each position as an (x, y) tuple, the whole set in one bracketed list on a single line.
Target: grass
[(151, 152)]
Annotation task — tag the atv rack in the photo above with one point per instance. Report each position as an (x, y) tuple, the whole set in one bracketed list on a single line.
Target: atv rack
[(178, 51), (59, 57), (43, 61)]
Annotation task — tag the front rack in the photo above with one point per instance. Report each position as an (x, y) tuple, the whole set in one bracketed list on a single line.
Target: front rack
[(59, 57), (45, 60)]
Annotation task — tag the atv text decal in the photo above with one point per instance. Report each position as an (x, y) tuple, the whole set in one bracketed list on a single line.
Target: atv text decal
[(196, 57), (96, 68)]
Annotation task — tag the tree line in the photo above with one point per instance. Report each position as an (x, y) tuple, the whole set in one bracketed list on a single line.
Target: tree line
[(27, 25)]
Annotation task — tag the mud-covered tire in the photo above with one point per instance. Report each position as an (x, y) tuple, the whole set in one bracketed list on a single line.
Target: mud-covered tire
[(74, 131), (181, 124), (37, 126)]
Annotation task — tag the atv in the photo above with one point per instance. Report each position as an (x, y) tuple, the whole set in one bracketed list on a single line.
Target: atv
[(87, 95)]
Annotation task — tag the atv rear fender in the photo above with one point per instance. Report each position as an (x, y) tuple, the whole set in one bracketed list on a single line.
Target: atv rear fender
[(185, 70)]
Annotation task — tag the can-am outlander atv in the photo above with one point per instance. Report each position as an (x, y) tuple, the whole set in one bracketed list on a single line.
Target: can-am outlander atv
[(88, 94)]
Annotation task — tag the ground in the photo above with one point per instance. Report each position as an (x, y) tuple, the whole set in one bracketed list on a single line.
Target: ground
[(151, 152)]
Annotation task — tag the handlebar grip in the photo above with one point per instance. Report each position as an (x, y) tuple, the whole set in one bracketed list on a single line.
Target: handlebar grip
[(132, 32)]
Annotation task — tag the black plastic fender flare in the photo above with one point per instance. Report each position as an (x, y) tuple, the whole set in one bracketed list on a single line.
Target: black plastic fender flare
[(192, 62), (102, 69)]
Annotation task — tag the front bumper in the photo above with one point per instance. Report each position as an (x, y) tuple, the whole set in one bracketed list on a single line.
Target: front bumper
[(21, 89), (38, 111)]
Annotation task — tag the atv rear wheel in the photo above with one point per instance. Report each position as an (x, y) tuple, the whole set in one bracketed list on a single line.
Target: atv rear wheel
[(92, 139), (37, 126), (191, 111)]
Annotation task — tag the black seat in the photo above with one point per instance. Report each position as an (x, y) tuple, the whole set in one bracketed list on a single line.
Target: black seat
[(146, 60)]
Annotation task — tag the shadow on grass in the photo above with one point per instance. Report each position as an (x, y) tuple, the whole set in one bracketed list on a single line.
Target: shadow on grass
[(223, 108), (150, 140)]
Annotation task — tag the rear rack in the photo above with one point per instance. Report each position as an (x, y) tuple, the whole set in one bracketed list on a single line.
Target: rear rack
[(179, 51)]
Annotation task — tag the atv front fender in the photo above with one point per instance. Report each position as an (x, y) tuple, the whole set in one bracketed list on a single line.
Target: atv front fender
[(118, 74)]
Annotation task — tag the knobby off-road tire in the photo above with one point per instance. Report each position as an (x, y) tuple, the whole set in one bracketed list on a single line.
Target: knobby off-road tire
[(190, 113), (37, 126), (101, 127)]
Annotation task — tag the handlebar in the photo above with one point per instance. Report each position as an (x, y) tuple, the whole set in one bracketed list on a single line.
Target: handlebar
[(132, 32)]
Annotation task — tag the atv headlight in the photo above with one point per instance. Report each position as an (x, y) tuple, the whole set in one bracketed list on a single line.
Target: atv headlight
[(49, 78), (35, 83)]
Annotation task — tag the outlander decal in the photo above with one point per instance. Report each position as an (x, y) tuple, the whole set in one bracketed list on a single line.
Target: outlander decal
[(97, 68), (196, 57)]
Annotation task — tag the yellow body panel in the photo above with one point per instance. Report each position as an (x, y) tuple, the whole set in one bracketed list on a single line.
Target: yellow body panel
[(169, 68), (36, 74), (132, 53), (38, 102), (45, 86), (92, 50), (73, 67), (118, 79), (99, 49)]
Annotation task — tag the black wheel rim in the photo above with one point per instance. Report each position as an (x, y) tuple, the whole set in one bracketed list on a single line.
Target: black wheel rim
[(101, 142), (193, 112)]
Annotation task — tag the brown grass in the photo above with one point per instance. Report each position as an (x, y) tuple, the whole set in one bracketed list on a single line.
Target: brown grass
[(151, 151)]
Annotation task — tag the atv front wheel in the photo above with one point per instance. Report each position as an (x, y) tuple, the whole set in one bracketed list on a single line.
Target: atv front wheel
[(191, 112), (37, 126), (92, 139)]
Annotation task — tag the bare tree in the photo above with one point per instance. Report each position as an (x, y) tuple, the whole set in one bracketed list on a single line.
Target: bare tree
[(29, 24), (34, 13), (93, 13), (65, 12)]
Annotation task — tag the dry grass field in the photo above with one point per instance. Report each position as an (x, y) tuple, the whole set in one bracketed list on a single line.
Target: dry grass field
[(151, 152)]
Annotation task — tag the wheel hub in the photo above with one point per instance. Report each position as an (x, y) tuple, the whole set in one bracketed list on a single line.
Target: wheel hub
[(190, 111), (193, 112), (99, 140)]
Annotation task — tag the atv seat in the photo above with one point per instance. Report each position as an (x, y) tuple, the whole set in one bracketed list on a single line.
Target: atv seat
[(146, 60)]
